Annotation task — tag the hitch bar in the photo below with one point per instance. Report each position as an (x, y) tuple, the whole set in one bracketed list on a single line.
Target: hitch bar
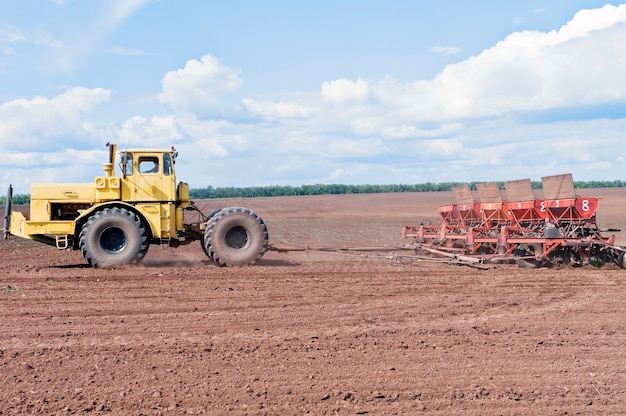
[(7, 212)]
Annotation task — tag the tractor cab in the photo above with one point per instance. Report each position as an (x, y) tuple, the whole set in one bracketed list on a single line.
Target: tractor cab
[(148, 175)]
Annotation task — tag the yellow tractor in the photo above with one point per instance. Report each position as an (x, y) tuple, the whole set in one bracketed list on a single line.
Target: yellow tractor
[(114, 219)]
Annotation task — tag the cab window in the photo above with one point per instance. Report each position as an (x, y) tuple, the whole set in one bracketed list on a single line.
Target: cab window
[(167, 164), (148, 164), (127, 164)]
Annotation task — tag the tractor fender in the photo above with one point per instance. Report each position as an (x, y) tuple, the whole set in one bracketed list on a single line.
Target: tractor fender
[(211, 215)]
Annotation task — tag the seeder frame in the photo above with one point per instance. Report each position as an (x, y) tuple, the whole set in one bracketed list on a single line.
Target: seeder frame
[(557, 231)]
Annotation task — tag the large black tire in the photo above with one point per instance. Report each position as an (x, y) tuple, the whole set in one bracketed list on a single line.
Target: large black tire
[(235, 237), (202, 240), (113, 237), (528, 250)]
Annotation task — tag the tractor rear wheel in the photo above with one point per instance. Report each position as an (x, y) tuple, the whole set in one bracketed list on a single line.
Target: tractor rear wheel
[(235, 237), (113, 237)]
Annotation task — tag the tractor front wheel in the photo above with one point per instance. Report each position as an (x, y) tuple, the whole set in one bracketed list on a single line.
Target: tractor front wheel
[(235, 237), (113, 237)]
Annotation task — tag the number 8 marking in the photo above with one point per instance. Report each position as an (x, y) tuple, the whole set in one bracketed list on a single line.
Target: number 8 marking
[(585, 205)]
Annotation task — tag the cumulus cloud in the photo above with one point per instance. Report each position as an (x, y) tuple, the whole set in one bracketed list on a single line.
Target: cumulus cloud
[(589, 20), (218, 138), (155, 132), (344, 90), (578, 65), (429, 120), (61, 165), (443, 128), (472, 121), (198, 85), (37, 123)]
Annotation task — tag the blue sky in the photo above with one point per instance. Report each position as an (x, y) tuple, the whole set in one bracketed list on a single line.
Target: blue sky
[(289, 93)]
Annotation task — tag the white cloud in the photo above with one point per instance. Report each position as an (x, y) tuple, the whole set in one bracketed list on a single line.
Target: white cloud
[(341, 174), (11, 36), (157, 132), (581, 64), (460, 125), (39, 122), (8, 38), (466, 123), (406, 131), (355, 148), (59, 165), (199, 85), (274, 110), (446, 50), (342, 90), (447, 148), (216, 139), (589, 20)]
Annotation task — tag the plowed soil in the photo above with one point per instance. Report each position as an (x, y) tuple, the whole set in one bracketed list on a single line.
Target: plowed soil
[(317, 332)]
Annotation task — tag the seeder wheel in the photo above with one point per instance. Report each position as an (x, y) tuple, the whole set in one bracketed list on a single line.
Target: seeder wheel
[(621, 258), (560, 259), (531, 256)]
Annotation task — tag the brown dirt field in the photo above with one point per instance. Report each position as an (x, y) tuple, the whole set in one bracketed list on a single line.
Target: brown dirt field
[(312, 332)]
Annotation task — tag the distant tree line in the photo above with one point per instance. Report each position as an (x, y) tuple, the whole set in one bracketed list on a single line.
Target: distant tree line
[(18, 199), (319, 189), (336, 189)]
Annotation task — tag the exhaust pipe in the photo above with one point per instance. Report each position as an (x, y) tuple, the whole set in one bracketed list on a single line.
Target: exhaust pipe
[(7, 212)]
